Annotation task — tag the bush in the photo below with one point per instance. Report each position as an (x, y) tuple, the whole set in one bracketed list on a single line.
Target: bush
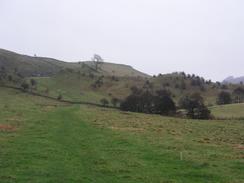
[(164, 105), (60, 97), (194, 104), (10, 78), (114, 102), (104, 102), (33, 82), (25, 86)]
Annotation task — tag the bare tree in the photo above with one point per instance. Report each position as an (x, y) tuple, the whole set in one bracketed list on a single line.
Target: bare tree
[(97, 59)]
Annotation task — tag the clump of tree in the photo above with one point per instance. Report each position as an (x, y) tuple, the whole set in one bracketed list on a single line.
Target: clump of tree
[(98, 83), (195, 107), (145, 101), (224, 98), (163, 103), (33, 83)]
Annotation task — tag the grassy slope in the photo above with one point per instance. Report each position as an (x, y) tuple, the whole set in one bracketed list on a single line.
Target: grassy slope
[(42, 66), (228, 111), (209, 93), (55, 143), (28, 66), (74, 86), (119, 70)]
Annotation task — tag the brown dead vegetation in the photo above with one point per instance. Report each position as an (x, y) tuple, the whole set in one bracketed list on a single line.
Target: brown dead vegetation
[(7, 128)]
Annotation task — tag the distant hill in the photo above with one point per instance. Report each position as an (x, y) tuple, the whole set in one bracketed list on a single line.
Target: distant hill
[(40, 66), (234, 80)]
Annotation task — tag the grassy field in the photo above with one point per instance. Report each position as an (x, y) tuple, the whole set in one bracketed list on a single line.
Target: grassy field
[(46, 141), (231, 111)]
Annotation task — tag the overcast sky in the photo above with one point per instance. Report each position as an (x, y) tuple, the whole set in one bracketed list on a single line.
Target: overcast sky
[(205, 37)]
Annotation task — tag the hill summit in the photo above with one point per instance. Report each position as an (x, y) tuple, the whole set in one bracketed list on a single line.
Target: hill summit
[(34, 66), (234, 80)]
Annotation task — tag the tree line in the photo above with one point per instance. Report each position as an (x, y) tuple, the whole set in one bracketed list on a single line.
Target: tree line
[(225, 97), (161, 102)]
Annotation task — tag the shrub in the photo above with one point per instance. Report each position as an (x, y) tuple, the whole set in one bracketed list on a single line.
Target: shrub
[(163, 103), (60, 97), (114, 102), (33, 82), (10, 78), (194, 104), (104, 102), (25, 86)]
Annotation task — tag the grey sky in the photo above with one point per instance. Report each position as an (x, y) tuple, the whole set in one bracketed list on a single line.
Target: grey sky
[(205, 37)]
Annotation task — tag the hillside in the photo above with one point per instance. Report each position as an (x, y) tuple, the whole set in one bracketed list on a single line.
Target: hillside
[(40, 66), (93, 86), (119, 70), (31, 66)]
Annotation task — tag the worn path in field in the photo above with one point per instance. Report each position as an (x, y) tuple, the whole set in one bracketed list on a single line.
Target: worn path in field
[(58, 146)]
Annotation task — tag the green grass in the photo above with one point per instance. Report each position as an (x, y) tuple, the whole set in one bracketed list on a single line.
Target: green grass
[(228, 111), (53, 142), (119, 70), (71, 88), (76, 87)]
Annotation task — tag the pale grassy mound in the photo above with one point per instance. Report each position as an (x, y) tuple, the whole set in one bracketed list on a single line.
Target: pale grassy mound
[(228, 111)]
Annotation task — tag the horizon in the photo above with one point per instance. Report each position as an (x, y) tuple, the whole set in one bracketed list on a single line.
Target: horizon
[(109, 62), (151, 36)]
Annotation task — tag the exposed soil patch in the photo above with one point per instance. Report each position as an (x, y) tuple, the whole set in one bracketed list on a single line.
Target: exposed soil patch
[(239, 147), (127, 129), (48, 108), (7, 128)]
